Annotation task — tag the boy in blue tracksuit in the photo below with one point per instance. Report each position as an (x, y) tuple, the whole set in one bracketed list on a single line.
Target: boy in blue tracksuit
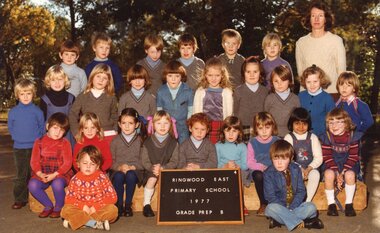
[(285, 191)]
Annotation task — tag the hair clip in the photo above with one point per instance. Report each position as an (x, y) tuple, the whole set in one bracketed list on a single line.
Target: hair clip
[(150, 127), (314, 66)]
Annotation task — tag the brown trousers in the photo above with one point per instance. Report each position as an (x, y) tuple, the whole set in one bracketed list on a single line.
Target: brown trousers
[(77, 217)]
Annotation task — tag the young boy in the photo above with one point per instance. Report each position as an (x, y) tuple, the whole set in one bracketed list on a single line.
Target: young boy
[(231, 41), (197, 151), (25, 124), (187, 45), (90, 195), (101, 44), (153, 45), (348, 86), (272, 46), (69, 53), (285, 191)]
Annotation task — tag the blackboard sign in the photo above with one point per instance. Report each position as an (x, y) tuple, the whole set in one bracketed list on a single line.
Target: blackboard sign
[(200, 196)]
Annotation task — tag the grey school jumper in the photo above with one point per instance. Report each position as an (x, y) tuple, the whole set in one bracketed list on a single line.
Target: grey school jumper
[(204, 156), (194, 72), (234, 68), (281, 110), (145, 105), (155, 74), (248, 103)]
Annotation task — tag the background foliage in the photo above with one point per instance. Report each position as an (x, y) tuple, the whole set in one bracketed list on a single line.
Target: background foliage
[(30, 34)]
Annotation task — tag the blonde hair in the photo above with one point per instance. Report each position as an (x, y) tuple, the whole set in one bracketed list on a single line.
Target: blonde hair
[(88, 116), (350, 78), (163, 114), (155, 41), (215, 63), (264, 119), (53, 73), (25, 85), (101, 68), (97, 37), (269, 38), (324, 80), (231, 33), (340, 114)]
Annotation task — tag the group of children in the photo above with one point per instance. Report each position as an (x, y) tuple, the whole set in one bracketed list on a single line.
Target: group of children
[(229, 112)]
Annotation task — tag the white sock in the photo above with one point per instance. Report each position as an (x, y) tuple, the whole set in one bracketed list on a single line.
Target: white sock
[(312, 184), (148, 193), (330, 196), (350, 192)]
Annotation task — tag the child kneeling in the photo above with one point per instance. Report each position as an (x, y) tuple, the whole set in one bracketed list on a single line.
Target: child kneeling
[(285, 191), (90, 195)]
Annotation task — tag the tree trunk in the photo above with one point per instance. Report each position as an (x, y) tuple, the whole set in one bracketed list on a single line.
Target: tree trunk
[(376, 81), (70, 3)]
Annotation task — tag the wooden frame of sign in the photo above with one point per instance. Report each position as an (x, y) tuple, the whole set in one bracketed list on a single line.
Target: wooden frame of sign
[(204, 196)]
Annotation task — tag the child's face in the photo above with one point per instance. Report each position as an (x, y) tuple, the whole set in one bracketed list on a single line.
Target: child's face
[(128, 125), (153, 53), (100, 81), (272, 50), (138, 83), (89, 129), (231, 134), (57, 83), (162, 126), (86, 166), (68, 58), (317, 18), (25, 96), (346, 90), (300, 127), (173, 80), (252, 73), (336, 126), (186, 51), (102, 49), (280, 85), (198, 131), (281, 164), (313, 83), (231, 46), (55, 132), (264, 131), (214, 76)]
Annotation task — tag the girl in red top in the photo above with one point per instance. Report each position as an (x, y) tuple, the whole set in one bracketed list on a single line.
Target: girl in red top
[(90, 133), (90, 196), (51, 165)]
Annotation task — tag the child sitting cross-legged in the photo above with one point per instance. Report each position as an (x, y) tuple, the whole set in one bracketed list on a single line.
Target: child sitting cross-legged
[(285, 191), (90, 195)]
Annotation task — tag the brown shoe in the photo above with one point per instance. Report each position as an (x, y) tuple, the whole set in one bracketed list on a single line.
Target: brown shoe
[(261, 210), (18, 205), (55, 214), (45, 213)]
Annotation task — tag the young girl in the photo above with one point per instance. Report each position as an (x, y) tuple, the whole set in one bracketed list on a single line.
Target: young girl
[(244, 106), (160, 151), (90, 133), (348, 88), (99, 98), (307, 148), (138, 97), (127, 168), (90, 196), (197, 151), (176, 97), (51, 165), (340, 150), (281, 102), (315, 99), (56, 98), (214, 96), (258, 159)]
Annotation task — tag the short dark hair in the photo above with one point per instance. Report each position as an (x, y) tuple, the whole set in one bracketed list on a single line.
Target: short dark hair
[(231, 122), (328, 15), (174, 67), (93, 153), (60, 119), (299, 114)]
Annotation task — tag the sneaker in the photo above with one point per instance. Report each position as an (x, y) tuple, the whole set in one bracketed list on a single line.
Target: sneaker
[(349, 210), (147, 211), (66, 224), (245, 211), (102, 225), (332, 211), (261, 210)]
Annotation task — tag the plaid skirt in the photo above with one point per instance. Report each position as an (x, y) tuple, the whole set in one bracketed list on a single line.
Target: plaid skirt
[(214, 133)]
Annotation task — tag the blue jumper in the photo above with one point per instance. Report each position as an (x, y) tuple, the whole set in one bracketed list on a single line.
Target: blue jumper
[(231, 151)]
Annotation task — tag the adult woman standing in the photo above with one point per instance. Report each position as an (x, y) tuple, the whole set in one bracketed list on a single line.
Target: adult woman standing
[(320, 46)]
